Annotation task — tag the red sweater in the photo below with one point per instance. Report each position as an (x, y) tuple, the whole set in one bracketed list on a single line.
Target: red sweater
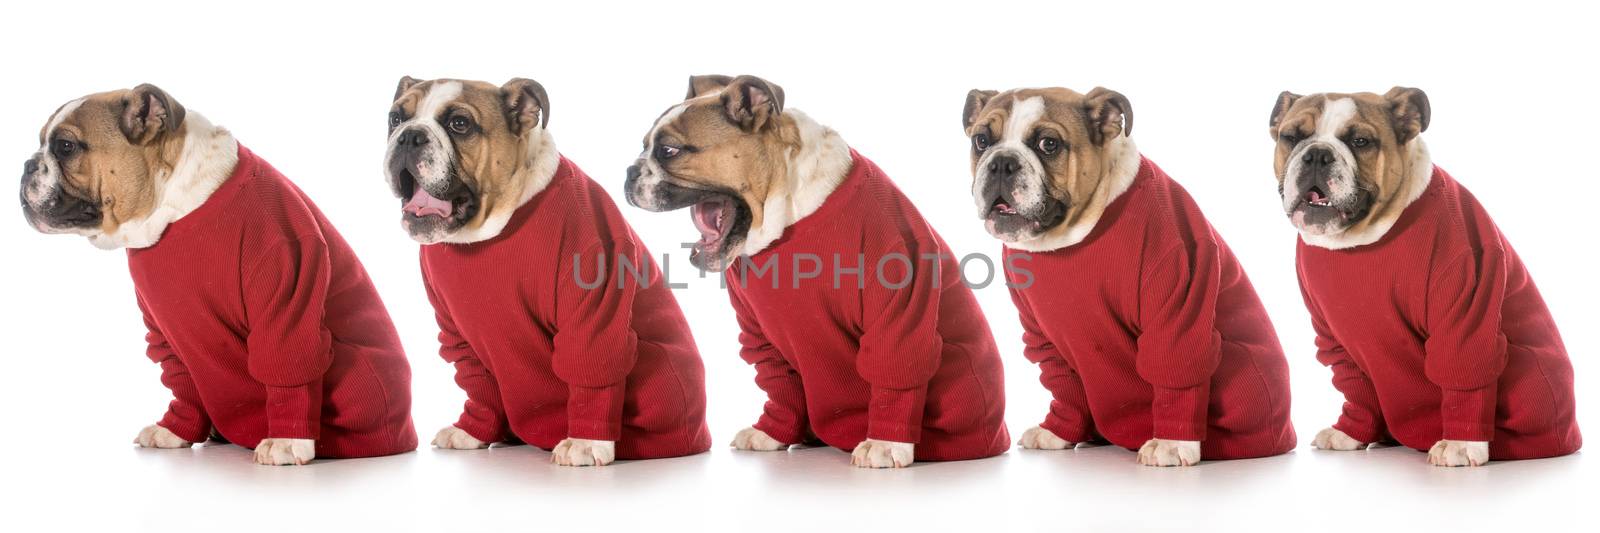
[(858, 358), (547, 348), (1148, 328), (1436, 331), (266, 325)]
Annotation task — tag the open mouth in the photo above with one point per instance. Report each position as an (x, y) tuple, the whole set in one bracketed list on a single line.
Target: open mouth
[(458, 202), (1315, 197), (720, 219), (1006, 218)]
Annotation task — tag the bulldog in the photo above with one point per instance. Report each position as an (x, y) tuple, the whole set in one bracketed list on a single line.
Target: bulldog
[(267, 329), (1142, 322), (527, 263), (1434, 330), (894, 365)]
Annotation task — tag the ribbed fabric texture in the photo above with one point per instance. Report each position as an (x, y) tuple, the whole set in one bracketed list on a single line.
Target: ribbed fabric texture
[(897, 350), (266, 325), (1149, 328), (554, 334), (1437, 331)]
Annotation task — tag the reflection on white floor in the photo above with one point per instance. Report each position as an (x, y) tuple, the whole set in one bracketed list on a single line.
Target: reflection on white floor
[(515, 488)]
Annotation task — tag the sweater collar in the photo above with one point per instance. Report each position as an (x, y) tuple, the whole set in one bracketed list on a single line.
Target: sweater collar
[(208, 160)]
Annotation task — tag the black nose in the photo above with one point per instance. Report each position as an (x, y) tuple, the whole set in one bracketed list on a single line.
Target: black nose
[(633, 173), (1004, 166), (1317, 156), (413, 137), (30, 166)]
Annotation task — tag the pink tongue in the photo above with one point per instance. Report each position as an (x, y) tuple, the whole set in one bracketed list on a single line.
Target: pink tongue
[(1315, 196), (423, 204), (708, 219)]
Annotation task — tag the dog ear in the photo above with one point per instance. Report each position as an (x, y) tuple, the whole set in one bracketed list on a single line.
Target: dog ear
[(1109, 114), (527, 105), (1286, 100), (976, 99), (149, 112), (1409, 110), (706, 84), (752, 103), (406, 82)]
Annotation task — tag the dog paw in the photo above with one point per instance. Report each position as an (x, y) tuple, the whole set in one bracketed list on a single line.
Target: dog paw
[(753, 439), (873, 453), (278, 452), (1038, 438), (1333, 439), (1163, 452), (454, 438), (1459, 453), (155, 436), (584, 452)]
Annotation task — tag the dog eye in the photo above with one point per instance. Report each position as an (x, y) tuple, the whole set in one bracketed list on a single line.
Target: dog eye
[(1360, 142), (63, 149), (460, 125), (665, 152), (980, 142), (1289, 138), (395, 119), (1048, 145)]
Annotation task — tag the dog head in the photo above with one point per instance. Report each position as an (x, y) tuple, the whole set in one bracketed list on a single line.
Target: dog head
[(737, 159), (464, 155), (102, 163), (1346, 162), (1046, 161)]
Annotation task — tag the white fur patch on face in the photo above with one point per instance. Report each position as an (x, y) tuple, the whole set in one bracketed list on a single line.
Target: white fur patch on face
[(47, 179), (432, 170), (1029, 183), (1336, 114), (651, 175)]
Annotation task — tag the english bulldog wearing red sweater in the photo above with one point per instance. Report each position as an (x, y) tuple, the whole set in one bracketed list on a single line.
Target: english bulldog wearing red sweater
[(266, 327), (1145, 329), (525, 260), (851, 307), (1432, 325)]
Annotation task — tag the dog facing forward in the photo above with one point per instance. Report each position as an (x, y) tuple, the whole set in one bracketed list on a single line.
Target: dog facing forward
[(1431, 323)]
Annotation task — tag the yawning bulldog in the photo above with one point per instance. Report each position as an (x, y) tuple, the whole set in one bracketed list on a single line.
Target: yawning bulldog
[(873, 345)]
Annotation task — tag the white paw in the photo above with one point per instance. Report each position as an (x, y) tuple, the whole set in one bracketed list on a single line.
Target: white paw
[(453, 438), (155, 436), (1163, 452), (1459, 453), (277, 452), (584, 452), (1333, 439), (756, 440), (873, 453), (1039, 438)]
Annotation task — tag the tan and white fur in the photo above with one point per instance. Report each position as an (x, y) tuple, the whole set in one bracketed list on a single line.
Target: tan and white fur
[(733, 152), (484, 146), (1045, 164), (1361, 154), (118, 167)]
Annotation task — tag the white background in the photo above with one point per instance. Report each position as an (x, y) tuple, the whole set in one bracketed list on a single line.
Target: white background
[(307, 87)]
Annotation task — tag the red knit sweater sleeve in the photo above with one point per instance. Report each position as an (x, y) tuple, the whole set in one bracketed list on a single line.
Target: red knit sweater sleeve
[(290, 348), (1466, 349), (185, 416), (483, 416), (1360, 417), (1179, 348), (1069, 416), (900, 343), (783, 417), (595, 345)]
